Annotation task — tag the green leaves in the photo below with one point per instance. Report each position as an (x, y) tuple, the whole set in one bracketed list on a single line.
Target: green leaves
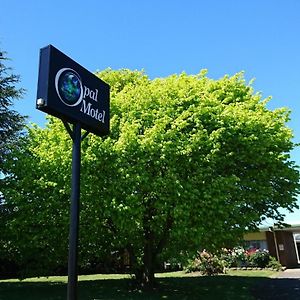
[(190, 162), (11, 122)]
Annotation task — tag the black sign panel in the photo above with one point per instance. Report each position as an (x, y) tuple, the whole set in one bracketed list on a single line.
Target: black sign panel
[(68, 91)]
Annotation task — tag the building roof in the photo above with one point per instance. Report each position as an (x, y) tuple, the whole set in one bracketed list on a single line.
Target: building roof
[(290, 227)]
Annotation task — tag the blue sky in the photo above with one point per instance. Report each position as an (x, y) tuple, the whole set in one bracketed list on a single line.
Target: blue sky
[(163, 37)]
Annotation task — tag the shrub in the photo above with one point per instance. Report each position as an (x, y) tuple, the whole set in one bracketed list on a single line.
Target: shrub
[(211, 264), (274, 264), (236, 257), (207, 264), (260, 258)]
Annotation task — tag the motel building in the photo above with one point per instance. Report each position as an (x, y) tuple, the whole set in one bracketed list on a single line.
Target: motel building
[(282, 243)]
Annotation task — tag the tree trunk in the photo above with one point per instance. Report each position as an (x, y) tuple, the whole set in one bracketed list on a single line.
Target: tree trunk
[(148, 280), (145, 273)]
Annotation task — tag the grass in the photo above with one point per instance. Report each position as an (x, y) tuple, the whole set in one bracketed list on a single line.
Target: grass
[(176, 285)]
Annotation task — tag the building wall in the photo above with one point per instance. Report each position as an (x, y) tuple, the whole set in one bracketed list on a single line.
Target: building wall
[(280, 243), (271, 244), (255, 236), (284, 242)]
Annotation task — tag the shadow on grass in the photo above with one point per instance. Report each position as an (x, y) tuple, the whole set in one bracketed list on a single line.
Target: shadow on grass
[(219, 287)]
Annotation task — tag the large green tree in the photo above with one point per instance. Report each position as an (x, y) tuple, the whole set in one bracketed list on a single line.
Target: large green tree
[(11, 122), (190, 162), (11, 126)]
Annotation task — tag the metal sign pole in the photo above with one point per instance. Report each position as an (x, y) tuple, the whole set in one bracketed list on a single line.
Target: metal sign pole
[(74, 214), (68, 91)]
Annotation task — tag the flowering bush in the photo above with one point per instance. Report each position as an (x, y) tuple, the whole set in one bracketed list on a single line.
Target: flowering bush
[(210, 264), (238, 257), (207, 264), (259, 258)]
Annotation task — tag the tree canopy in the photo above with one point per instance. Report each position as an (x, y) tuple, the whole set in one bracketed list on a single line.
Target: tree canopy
[(11, 122), (11, 125), (190, 163)]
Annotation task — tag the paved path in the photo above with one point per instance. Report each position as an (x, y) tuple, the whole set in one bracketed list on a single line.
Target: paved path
[(289, 273), (285, 286)]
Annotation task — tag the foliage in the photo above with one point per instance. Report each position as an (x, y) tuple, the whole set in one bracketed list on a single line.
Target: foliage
[(11, 122), (274, 264), (238, 257), (11, 126), (212, 264), (207, 264), (259, 258), (179, 170)]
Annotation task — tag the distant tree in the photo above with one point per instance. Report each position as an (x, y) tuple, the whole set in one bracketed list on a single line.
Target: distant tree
[(11, 125), (190, 162), (11, 122)]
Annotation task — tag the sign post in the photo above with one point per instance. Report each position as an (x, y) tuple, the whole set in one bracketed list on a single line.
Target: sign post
[(68, 91), (74, 214)]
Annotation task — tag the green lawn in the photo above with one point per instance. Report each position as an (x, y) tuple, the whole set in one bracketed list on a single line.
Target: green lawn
[(176, 285)]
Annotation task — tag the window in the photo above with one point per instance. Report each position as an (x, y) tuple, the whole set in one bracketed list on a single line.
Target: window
[(255, 244)]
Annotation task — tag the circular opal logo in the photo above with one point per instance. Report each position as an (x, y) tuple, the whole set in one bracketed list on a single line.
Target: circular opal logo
[(68, 86)]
